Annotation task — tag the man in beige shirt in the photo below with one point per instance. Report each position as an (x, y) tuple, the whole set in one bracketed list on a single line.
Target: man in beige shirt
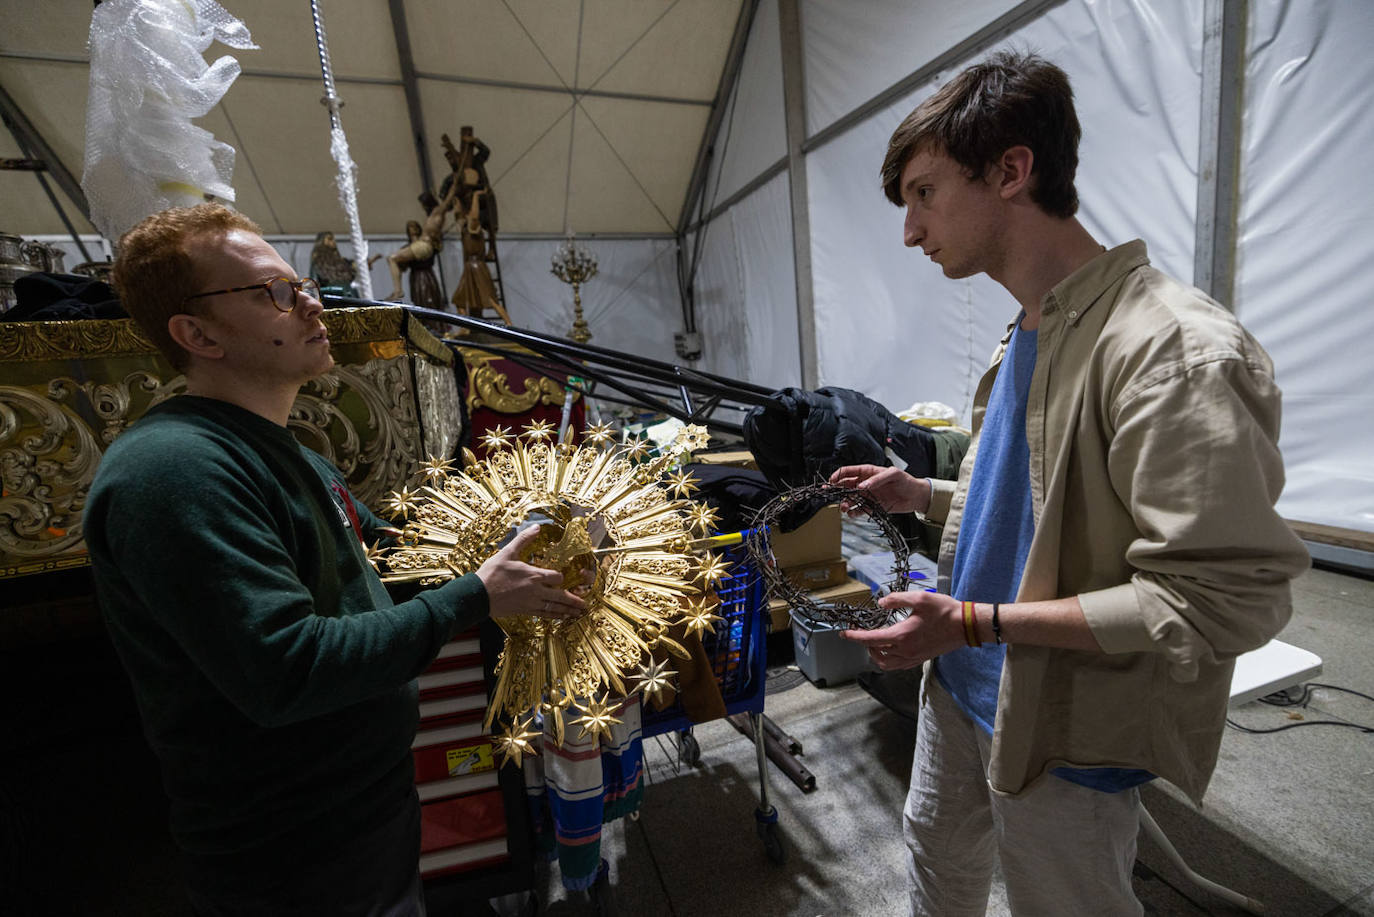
[(1111, 544)]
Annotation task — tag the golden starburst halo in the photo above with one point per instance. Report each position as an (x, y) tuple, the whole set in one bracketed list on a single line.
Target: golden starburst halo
[(604, 520)]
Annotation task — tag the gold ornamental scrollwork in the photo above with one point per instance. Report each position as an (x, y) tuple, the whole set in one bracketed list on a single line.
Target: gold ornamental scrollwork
[(362, 418), (70, 340), (49, 451), (488, 387), (347, 326)]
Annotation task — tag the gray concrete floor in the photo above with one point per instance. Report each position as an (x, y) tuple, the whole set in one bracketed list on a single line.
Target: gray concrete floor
[(1289, 818)]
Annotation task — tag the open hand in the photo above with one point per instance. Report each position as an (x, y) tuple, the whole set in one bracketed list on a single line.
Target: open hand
[(517, 588), (894, 489), (935, 626)]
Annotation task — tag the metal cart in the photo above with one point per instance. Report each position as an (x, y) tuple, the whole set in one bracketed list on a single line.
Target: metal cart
[(738, 656)]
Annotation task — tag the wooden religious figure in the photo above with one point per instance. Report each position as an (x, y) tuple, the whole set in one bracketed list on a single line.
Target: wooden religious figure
[(477, 225), (425, 241), (331, 270)]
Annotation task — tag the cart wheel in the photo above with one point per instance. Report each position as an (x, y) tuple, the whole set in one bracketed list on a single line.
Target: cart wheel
[(772, 843), (688, 749)]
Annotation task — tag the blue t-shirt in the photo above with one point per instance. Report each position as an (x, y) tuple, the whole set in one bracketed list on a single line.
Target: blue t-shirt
[(994, 539)]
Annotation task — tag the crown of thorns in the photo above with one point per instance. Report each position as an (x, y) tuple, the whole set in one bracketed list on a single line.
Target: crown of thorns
[(863, 616)]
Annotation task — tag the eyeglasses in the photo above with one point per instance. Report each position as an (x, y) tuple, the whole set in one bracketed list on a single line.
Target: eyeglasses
[(282, 290)]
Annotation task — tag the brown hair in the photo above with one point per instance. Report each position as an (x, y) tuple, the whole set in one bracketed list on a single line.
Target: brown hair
[(1011, 99), (154, 270)]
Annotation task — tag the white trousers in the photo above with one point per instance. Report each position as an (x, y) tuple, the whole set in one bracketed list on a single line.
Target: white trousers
[(1065, 849)]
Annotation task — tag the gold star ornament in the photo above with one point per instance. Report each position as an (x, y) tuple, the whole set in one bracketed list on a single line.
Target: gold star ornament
[(596, 720), (712, 569), (402, 502), (681, 483), (514, 742), (497, 437), (435, 469), (653, 679), (539, 431), (598, 434), (701, 617), (702, 518)]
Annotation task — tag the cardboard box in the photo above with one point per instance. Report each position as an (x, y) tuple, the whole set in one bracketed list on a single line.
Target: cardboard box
[(816, 541), (823, 575), (740, 458), (851, 591)]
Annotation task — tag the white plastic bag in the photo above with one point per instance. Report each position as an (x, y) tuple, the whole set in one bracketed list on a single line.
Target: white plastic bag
[(148, 80)]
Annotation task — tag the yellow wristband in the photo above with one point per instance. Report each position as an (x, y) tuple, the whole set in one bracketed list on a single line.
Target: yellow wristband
[(971, 625)]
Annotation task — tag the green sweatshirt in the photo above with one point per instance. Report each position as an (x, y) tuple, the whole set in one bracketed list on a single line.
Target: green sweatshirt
[(274, 674)]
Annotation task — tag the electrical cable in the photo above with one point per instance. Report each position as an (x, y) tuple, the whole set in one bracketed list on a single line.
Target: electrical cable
[(1285, 699)]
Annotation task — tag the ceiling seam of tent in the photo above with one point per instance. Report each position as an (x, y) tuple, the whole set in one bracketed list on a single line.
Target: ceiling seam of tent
[(626, 165), (554, 69), (572, 130), (559, 90), (533, 144), (243, 151), (527, 301), (633, 44), (83, 60)]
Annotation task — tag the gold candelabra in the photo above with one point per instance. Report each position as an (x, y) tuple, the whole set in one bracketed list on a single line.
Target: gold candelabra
[(575, 265)]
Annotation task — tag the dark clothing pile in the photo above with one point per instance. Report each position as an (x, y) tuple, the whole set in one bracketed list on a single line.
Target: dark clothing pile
[(801, 437), (47, 297)]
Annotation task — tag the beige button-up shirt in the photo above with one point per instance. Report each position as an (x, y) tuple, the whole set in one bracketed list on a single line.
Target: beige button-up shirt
[(1153, 423)]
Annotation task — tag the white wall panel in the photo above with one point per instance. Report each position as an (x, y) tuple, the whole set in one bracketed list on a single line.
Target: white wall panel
[(746, 291), (763, 236), (1305, 224), (720, 302), (853, 51), (753, 134), (888, 322)]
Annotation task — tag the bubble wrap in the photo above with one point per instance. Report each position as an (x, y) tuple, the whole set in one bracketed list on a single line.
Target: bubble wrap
[(148, 80)]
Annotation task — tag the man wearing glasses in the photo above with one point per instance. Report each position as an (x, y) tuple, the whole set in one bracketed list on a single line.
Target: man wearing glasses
[(274, 675)]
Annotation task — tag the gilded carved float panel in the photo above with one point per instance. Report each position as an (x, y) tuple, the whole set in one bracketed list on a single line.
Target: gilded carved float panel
[(68, 389)]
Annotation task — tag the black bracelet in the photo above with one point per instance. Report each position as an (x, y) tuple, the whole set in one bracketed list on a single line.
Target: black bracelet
[(996, 622)]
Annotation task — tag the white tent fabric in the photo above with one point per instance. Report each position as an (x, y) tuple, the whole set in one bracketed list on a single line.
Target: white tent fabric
[(853, 51), (1136, 74), (1306, 218), (587, 105), (746, 291), (753, 134), (594, 110)]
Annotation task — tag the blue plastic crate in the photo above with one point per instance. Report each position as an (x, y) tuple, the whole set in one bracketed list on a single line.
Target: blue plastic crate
[(736, 649)]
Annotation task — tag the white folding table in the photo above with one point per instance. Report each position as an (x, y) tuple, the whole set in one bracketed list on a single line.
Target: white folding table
[(1273, 667)]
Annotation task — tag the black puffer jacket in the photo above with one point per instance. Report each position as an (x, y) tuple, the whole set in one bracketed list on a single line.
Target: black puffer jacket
[(801, 437)]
